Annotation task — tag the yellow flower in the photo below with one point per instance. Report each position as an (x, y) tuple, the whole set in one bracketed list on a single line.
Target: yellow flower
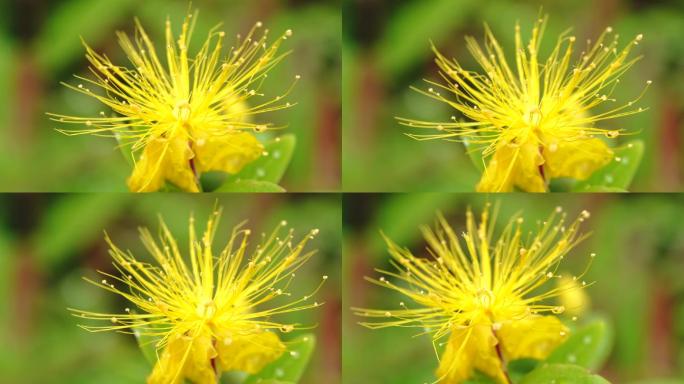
[(210, 315), (533, 123), (184, 115), (484, 294)]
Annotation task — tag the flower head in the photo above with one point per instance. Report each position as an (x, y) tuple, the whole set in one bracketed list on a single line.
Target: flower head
[(485, 294), (534, 122), (211, 314), (184, 115)]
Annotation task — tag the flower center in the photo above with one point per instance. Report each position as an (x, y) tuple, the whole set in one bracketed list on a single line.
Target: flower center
[(206, 308), (485, 298), (532, 116), (182, 111)]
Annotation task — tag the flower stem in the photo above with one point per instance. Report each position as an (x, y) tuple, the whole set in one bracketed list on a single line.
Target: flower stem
[(194, 169), (499, 354)]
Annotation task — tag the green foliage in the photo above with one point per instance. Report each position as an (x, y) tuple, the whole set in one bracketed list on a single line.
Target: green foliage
[(587, 346), (71, 223), (406, 39), (272, 166), (562, 374), (250, 186), (59, 41), (289, 367), (618, 175), (586, 349), (147, 345), (475, 155)]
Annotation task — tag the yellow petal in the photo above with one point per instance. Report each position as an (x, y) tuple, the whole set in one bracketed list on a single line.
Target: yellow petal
[(147, 174), (577, 159), (248, 352), (185, 357), (533, 337), (164, 159), (469, 349), (514, 165), (228, 153)]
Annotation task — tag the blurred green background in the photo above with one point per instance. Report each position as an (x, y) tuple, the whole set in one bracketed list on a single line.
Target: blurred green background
[(639, 242), (40, 46), (386, 49), (49, 242)]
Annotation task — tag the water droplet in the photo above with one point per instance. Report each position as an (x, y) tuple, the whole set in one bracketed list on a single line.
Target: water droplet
[(558, 310), (586, 340), (572, 358)]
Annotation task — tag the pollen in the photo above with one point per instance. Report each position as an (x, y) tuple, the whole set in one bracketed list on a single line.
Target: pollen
[(183, 112), (211, 313), (537, 119), (478, 295)]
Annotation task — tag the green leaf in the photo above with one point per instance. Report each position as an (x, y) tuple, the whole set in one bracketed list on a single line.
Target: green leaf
[(588, 346), (406, 39), (250, 186), (273, 381), (562, 374), (475, 155), (59, 43), (126, 149), (618, 175), (272, 167), (480, 378), (147, 346), (288, 367), (71, 223), (601, 188), (517, 369)]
